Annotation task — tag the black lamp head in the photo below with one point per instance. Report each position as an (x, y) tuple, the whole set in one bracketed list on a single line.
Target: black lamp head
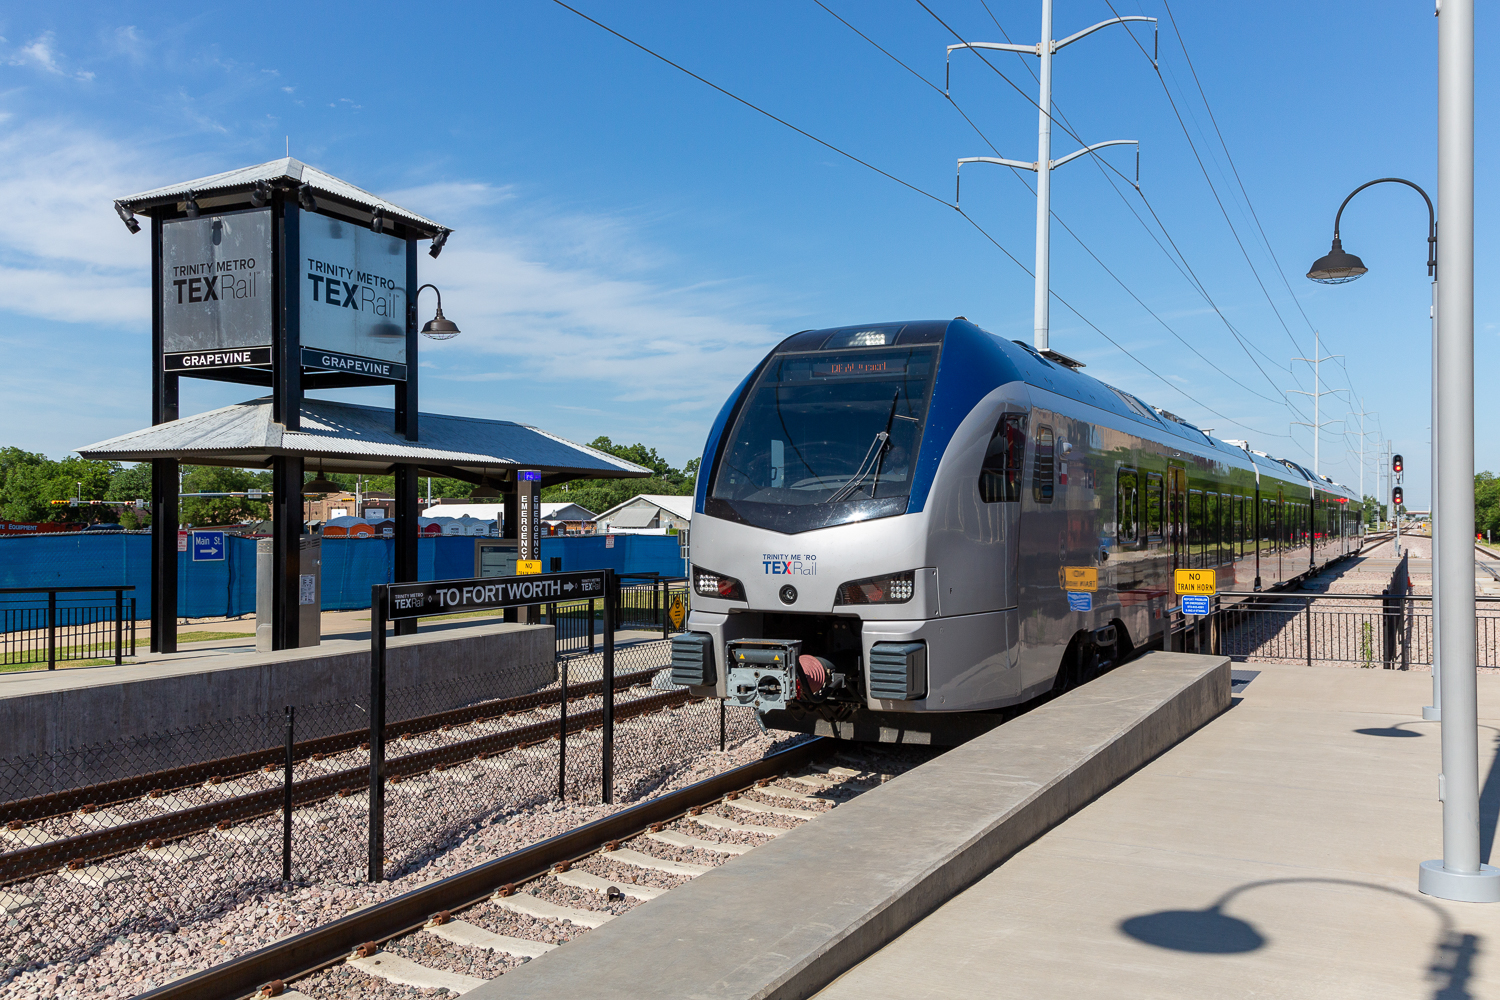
[(260, 194), (377, 220), (191, 205), (306, 200), (440, 327), (1337, 266), (437, 244)]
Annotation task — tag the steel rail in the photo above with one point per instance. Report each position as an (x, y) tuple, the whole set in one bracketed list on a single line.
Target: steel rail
[(60, 803), (322, 946), (42, 859)]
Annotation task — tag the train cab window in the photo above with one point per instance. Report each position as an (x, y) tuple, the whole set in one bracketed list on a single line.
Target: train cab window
[(1041, 469), (1000, 477), (1153, 505), (1127, 507)]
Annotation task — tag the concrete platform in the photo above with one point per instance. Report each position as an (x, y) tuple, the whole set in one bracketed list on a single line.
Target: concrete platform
[(1274, 854), (787, 918)]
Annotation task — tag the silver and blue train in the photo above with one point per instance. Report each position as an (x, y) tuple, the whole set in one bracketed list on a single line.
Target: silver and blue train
[(902, 530)]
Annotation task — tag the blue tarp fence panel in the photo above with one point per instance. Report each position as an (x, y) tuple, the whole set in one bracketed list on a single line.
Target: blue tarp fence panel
[(350, 566)]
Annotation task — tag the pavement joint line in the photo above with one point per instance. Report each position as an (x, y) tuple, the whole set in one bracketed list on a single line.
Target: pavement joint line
[(528, 905), (676, 839), (588, 880), (636, 859), (461, 932), (405, 972)]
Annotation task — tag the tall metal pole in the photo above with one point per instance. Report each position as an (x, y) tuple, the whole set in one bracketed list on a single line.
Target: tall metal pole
[(1459, 875), (1434, 712), (1043, 182)]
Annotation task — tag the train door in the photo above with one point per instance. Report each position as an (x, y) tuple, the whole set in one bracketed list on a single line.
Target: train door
[(1177, 516)]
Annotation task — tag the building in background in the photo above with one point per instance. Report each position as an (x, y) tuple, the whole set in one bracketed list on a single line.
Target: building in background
[(648, 514), (568, 519), (371, 506)]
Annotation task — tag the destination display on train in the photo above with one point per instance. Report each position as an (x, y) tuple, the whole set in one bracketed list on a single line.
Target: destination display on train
[(413, 600), (868, 366)]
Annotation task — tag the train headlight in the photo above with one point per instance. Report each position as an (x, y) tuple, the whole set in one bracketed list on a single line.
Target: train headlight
[(892, 588), (725, 588)]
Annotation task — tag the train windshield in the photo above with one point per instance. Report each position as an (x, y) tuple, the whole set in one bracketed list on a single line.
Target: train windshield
[(833, 434)]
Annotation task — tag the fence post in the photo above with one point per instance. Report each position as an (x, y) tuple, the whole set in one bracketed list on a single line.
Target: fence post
[(1307, 605), (562, 735), (607, 757), (51, 630), (376, 871), (591, 624), (721, 723), (119, 626), (132, 626), (666, 624), (286, 803)]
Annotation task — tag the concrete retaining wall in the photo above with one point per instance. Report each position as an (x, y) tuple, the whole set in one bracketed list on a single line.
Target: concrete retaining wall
[(787, 918), (119, 721)]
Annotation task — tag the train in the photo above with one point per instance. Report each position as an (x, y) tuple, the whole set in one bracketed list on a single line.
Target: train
[(903, 531)]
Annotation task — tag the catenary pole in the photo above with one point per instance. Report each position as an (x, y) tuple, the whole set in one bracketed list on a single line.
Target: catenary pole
[(1459, 875)]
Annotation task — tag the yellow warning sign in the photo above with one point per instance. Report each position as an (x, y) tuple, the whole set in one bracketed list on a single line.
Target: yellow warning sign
[(1078, 577), (677, 611), (1197, 581), (527, 567)]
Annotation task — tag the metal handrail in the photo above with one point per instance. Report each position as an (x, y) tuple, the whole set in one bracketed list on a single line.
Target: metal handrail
[(65, 590)]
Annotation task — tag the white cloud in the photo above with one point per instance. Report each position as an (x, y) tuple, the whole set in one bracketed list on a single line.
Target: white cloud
[(41, 53)]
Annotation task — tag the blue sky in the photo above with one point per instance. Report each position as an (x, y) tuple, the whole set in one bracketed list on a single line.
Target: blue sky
[(629, 242)]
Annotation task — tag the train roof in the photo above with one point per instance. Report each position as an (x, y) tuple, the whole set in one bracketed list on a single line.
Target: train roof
[(1019, 361)]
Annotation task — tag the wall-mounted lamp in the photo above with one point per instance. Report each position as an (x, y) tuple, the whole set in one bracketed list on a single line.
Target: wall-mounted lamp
[(306, 200), (437, 243), (191, 205), (127, 217), (260, 194)]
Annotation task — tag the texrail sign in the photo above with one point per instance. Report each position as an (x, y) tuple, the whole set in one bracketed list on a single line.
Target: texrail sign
[(414, 600)]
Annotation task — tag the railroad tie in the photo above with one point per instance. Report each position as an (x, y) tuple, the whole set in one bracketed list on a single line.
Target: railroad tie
[(626, 856), (750, 805), (720, 823), (405, 972), (532, 906), (14, 902), (786, 793), (683, 840), (588, 880), (469, 935)]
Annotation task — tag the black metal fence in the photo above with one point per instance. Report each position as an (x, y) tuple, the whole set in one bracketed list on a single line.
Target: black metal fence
[(1393, 631), (279, 802), (48, 625), (645, 602)]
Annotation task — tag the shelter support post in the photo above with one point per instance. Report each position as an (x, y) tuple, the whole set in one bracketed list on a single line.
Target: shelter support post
[(376, 867), (611, 609), (406, 536), (286, 552), (164, 491)]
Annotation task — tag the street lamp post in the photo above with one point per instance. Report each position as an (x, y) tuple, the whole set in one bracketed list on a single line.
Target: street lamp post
[(1459, 875)]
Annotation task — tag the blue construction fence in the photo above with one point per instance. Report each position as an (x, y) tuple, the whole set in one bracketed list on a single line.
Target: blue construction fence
[(350, 566)]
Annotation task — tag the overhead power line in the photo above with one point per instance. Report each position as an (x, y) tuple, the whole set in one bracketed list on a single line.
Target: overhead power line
[(918, 190)]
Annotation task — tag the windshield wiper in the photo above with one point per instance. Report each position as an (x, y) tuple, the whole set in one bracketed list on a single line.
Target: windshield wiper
[(873, 459)]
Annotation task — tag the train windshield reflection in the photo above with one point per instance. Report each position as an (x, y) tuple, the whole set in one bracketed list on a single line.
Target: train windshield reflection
[(809, 430)]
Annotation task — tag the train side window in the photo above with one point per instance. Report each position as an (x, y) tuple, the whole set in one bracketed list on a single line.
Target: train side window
[(1041, 470), (1195, 528), (1000, 476), (1127, 506), (1153, 505)]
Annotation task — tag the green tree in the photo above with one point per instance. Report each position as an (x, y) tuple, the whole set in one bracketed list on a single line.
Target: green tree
[(1372, 511), (599, 495), (198, 511), (1486, 503), (35, 488)]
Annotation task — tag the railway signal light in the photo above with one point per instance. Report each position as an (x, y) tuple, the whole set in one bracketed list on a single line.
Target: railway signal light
[(1396, 464), (1397, 496)]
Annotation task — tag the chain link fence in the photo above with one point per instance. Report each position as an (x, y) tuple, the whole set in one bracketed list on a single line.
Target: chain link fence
[(160, 832)]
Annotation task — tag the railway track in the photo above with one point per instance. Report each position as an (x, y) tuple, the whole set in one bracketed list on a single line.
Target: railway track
[(517, 907), (92, 824)]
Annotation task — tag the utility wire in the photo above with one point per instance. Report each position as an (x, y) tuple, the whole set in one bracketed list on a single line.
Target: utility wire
[(1100, 160), (917, 190), (1078, 239)]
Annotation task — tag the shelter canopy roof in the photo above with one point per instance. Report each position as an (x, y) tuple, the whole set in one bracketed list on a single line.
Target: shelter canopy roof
[(286, 173), (348, 437)]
